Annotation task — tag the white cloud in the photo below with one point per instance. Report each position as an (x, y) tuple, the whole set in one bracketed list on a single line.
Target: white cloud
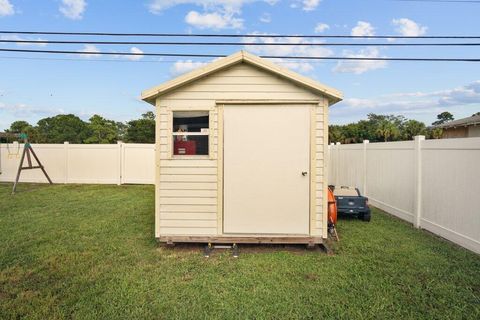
[(266, 18), (321, 27), (17, 38), (409, 28), (306, 5), (24, 110), (217, 14), (135, 57), (6, 8), (360, 66), (363, 28), (310, 5), (287, 50), (73, 9), (413, 103), (213, 20), (184, 66), (93, 51)]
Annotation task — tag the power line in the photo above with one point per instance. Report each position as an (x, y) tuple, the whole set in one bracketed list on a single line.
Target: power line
[(85, 60), (232, 35), (232, 43), (190, 55)]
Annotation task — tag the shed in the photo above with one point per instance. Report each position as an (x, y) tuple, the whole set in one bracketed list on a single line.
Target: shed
[(241, 154)]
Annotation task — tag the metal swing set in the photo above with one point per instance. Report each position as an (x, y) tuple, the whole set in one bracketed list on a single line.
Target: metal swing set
[(27, 153)]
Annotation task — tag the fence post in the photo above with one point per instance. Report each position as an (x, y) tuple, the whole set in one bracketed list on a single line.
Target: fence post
[(66, 144), (364, 173), (337, 159), (120, 162), (417, 204), (331, 176)]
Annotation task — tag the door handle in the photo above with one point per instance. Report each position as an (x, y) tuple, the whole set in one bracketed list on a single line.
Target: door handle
[(304, 173)]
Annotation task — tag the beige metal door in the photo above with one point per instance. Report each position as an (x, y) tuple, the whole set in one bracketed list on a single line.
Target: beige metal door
[(266, 169)]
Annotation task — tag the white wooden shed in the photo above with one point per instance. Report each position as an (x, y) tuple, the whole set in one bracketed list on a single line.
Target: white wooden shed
[(240, 154)]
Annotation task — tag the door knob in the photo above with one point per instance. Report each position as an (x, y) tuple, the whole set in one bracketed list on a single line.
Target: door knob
[(304, 173)]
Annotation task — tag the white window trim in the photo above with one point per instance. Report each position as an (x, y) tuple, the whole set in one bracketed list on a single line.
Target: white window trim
[(172, 134)]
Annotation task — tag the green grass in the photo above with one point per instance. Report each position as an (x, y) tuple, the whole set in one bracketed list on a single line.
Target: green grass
[(88, 252)]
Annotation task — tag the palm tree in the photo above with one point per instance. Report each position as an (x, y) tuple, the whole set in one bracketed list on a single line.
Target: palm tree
[(387, 130)]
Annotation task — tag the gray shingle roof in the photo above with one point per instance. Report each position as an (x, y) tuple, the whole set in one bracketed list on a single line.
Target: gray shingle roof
[(469, 121)]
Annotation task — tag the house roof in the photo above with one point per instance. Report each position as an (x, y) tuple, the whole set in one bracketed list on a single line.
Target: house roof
[(464, 122), (151, 94)]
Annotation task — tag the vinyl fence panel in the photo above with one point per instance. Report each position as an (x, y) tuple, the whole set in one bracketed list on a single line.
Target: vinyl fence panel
[(83, 163), (433, 184)]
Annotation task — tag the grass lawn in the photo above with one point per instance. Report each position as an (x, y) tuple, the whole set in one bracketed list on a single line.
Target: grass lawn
[(86, 251)]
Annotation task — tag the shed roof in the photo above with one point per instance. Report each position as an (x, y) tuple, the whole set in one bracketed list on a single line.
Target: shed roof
[(151, 94), (464, 122)]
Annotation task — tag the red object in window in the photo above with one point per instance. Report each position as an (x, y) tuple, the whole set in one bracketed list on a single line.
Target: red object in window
[(184, 148)]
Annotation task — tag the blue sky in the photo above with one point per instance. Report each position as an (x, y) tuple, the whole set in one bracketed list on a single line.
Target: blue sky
[(34, 86)]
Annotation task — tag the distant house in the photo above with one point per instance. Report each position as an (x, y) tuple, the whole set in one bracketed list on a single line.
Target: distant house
[(461, 128)]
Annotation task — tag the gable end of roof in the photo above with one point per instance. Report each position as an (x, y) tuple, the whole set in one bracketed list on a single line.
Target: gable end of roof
[(151, 94)]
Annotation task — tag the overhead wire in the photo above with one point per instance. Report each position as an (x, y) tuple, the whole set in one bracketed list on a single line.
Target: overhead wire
[(200, 55), (176, 43), (116, 34)]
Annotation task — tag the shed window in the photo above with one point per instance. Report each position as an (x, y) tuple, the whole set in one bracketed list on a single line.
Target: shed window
[(190, 133)]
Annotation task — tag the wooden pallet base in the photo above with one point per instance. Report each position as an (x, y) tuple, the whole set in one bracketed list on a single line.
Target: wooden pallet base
[(243, 239)]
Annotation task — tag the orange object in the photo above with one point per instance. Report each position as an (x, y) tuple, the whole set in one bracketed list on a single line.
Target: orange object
[(332, 208)]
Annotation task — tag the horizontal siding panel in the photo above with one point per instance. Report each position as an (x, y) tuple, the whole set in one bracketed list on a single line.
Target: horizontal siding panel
[(185, 95), (189, 193), (243, 80), (188, 216), (319, 169), (197, 209), (248, 87), (188, 223), (164, 155), (173, 231), (186, 201), (187, 170), (163, 115), (163, 140), (194, 163), (188, 186), (188, 178), (242, 71)]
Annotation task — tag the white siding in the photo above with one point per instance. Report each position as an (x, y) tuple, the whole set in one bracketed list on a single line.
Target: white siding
[(319, 169), (239, 82), (188, 192), (188, 187)]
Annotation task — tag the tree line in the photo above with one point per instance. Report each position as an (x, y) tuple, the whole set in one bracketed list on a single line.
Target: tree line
[(69, 127), (381, 128)]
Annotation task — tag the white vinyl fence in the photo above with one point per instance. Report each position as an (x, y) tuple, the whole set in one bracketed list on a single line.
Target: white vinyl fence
[(83, 163), (434, 184)]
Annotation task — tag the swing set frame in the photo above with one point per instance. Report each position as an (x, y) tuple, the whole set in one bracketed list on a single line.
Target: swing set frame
[(26, 154)]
